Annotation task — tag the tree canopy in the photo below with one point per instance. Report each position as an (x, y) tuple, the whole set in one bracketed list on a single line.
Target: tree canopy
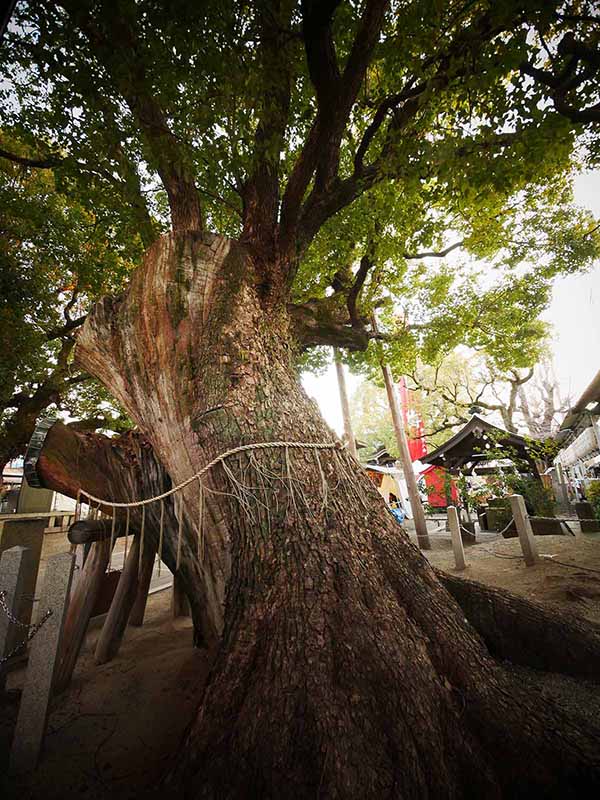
[(57, 258)]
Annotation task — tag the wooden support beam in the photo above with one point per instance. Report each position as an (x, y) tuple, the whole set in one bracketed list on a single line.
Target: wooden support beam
[(180, 605), (80, 610), (143, 585), (114, 626)]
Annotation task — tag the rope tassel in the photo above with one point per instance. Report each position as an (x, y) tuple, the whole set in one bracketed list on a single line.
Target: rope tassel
[(142, 531), (179, 533), (161, 534), (112, 537), (126, 533), (200, 518)]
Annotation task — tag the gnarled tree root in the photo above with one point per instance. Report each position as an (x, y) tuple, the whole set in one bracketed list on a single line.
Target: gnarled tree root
[(526, 633)]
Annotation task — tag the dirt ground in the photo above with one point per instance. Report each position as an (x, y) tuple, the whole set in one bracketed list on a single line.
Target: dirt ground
[(117, 725), (113, 732), (574, 589)]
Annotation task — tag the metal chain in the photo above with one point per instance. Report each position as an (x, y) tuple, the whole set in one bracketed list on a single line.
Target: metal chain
[(504, 529), (31, 629)]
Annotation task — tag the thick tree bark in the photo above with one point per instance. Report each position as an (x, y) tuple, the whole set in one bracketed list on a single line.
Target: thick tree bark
[(345, 668)]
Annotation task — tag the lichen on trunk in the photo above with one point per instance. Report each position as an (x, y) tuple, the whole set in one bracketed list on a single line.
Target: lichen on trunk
[(345, 669)]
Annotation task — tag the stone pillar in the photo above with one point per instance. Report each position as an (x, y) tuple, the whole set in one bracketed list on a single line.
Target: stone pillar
[(523, 525), (457, 542), (33, 711), (13, 568), (27, 533)]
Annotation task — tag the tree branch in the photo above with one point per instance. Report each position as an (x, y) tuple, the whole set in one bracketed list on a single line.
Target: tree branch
[(118, 48), (435, 253), (325, 322), (63, 330), (365, 265), (336, 93), (261, 192), (46, 162)]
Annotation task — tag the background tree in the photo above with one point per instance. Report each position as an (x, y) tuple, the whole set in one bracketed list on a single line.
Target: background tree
[(527, 401), (56, 258), (263, 122)]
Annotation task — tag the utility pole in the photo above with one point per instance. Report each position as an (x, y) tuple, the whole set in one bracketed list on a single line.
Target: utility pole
[(344, 401), (409, 476)]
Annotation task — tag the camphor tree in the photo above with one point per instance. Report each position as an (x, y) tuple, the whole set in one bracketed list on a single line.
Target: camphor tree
[(344, 668)]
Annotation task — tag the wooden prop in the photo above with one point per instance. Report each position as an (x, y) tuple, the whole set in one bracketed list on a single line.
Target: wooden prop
[(80, 610), (120, 609)]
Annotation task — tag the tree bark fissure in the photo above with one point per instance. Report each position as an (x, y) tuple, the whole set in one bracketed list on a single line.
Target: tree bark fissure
[(345, 669)]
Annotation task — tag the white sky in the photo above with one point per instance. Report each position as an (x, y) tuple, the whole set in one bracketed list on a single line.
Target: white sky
[(574, 314)]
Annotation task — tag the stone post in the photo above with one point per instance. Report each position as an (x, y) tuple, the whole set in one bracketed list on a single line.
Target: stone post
[(35, 700), (13, 567), (457, 542), (523, 525)]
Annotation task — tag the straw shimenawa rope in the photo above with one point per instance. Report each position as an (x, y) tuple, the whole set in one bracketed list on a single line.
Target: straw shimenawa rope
[(241, 496), (210, 465)]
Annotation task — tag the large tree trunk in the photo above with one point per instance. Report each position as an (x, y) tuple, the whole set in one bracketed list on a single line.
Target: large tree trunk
[(345, 668)]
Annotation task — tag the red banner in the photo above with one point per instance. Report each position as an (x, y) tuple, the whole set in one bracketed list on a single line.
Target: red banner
[(413, 421)]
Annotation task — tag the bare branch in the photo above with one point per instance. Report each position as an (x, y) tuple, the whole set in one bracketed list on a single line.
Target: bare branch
[(121, 53), (64, 330), (434, 253), (46, 162)]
